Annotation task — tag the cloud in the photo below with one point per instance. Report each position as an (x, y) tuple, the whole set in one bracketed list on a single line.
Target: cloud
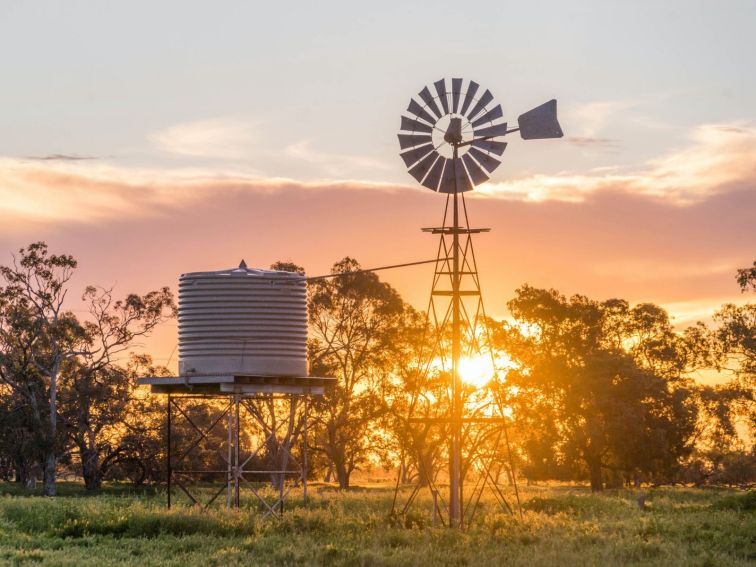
[(60, 157), (642, 270), (75, 192), (225, 138), (586, 141), (686, 313), (718, 157), (333, 165)]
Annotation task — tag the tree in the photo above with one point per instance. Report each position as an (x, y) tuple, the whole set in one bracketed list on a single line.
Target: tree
[(416, 390), (734, 351), (96, 392), (19, 439), (353, 319), (746, 278), (728, 413), (35, 291), (140, 455), (599, 383)]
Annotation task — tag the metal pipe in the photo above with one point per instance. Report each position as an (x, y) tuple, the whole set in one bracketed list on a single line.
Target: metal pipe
[(168, 449), (455, 482), (236, 451), (229, 463), (304, 455)]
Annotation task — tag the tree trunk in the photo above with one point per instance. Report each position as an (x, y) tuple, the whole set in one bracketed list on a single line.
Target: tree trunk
[(425, 467), (51, 458), (22, 470), (31, 479), (342, 475), (594, 466), (90, 468), (49, 473)]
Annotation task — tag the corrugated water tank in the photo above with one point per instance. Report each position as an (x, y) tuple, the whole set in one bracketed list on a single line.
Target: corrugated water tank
[(243, 321)]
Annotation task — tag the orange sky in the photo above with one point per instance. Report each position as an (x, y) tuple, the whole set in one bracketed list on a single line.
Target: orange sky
[(139, 233)]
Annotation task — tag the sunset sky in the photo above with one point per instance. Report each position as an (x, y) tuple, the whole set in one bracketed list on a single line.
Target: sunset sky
[(153, 138)]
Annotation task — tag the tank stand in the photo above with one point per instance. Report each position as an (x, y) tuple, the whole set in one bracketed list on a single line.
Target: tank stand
[(217, 443)]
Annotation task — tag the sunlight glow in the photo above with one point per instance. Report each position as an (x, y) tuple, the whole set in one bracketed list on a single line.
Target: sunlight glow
[(476, 371)]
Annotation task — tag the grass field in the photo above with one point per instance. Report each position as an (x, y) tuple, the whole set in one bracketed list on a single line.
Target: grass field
[(560, 526)]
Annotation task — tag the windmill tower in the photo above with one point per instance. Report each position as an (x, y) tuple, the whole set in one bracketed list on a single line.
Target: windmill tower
[(451, 142)]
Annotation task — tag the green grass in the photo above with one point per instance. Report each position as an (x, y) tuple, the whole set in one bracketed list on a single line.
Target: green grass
[(560, 526)]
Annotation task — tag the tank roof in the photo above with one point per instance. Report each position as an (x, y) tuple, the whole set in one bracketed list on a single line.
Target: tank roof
[(243, 270)]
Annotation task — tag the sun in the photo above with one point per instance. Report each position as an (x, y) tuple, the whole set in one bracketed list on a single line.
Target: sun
[(476, 370)]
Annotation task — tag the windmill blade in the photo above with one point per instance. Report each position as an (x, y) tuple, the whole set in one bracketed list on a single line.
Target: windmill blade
[(420, 112), (496, 130), (456, 91), (487, 161), (494, 114), (434, 176), (490, 146), (484, 100), (413, 125), (441, 90), (429, 102), (447, 179), (454, 178), (412, 140), (411, 156), (477, 174), (462, 179), (421, 169), (471, 90)]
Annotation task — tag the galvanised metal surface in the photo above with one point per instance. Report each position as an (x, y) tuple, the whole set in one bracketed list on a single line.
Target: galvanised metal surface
[(243, 321)]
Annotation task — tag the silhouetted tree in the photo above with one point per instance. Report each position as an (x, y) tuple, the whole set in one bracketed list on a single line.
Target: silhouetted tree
[(746, 278), (416, 390), (61, 378), (96, 392), (35, 290), (353, 322), (723, 452)]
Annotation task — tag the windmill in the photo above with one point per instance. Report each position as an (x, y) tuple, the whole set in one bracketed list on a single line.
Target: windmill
[(451, 141)]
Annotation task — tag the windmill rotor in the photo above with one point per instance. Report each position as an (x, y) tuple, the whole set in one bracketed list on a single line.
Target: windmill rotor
[(451, 138)]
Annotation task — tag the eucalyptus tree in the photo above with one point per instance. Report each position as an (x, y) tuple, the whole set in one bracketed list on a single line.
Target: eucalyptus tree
[(354, 320), (33, 298), (417, 389), (96, 387), (599, 385), (727, 428), (63, 377)]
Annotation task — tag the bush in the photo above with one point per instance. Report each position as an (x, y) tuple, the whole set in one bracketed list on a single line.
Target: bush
[(738, 502)]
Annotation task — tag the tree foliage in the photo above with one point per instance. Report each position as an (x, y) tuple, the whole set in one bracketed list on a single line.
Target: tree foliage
[(65, 383), (599, 385), (354, 320)]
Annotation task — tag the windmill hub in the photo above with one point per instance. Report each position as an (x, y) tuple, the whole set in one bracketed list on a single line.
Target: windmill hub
[(453, 133)]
